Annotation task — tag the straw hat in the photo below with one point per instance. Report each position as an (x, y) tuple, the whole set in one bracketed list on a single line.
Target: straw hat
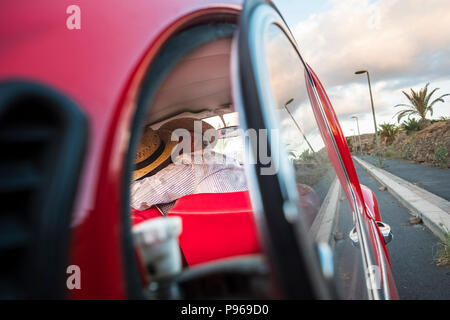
[(155, 148), (153, 153)]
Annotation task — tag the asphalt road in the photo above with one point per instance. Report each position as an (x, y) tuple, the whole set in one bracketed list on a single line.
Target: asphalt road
[(412, 248), (433, 179)]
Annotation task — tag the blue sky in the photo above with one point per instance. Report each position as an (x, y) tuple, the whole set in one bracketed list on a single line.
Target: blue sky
[(403, 43)]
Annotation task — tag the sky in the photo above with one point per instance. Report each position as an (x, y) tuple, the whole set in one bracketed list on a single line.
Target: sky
[(403, 43)]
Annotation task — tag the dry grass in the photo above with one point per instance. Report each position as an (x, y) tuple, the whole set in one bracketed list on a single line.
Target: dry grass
[(442, 257)]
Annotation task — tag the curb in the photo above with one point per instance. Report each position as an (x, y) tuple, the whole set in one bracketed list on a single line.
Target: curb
[(322, 228), (429, 207)]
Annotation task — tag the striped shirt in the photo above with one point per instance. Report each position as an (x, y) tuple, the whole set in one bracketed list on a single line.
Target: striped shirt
[(216, 173)]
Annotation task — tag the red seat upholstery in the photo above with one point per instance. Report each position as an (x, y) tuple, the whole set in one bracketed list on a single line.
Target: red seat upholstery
[(139, 216), (215, 226)]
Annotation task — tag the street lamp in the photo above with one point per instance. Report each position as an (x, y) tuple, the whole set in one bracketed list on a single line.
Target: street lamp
[(359, 134), (296, 124), (353, 138), (373, 113)]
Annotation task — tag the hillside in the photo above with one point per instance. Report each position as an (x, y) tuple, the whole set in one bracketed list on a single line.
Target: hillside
[(430, 145)]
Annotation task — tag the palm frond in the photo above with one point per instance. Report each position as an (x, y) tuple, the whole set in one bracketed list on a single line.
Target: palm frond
[(415, 95), (403, 113), (423, 92), (427, 99), (404, 105), (440, 99), (408, 96)]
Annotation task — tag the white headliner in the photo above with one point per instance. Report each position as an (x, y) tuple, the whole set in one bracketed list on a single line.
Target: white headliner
[(198, 86)]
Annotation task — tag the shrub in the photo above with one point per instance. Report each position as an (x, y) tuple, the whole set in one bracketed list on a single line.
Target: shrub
[(407, 150), (441, 154), (442, 118), (390, 152), (442, 257), (306, 156), (377, 159), (410, 125), (349, 142), (388, 131), (311, 167)]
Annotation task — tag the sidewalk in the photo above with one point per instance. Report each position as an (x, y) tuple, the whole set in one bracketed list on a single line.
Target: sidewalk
[(412, 250), (433, 179), (434, 210)]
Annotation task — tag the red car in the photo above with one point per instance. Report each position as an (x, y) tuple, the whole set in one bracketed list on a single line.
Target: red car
[(77, 85)]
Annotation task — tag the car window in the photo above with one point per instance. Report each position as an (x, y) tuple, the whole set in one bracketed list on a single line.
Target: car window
[(327, 218), (230, 142)]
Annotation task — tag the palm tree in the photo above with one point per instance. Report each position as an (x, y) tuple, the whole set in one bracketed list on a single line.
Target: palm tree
[(420, 103)]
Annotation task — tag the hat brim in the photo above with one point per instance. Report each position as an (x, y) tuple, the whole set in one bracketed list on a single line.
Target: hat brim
[(161, 161), (165, 132)]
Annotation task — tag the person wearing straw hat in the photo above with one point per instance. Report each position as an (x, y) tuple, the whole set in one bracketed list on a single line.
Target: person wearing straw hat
[(153, 154), (162, 174)]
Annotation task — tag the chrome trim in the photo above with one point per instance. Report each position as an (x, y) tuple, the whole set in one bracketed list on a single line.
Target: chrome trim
[(370, 212), (381, 254), (386, 292), (353, 235)]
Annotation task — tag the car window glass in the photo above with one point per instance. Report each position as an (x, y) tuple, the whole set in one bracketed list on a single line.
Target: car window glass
[(230, 141), (324, 213)]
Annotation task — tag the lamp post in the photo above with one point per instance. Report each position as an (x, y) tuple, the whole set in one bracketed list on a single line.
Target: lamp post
[(296, 124), (373, 114), (359, 134), (353, 138)]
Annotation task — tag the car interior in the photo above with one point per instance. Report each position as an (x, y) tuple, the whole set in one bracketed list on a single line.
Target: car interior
[(219, 242)]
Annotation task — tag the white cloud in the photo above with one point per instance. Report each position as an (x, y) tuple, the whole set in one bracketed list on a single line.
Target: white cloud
[(391, 38), (403, 43)]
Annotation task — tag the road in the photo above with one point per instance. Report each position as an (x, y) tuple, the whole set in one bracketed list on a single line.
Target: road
[(432, 179), (413, 246)]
